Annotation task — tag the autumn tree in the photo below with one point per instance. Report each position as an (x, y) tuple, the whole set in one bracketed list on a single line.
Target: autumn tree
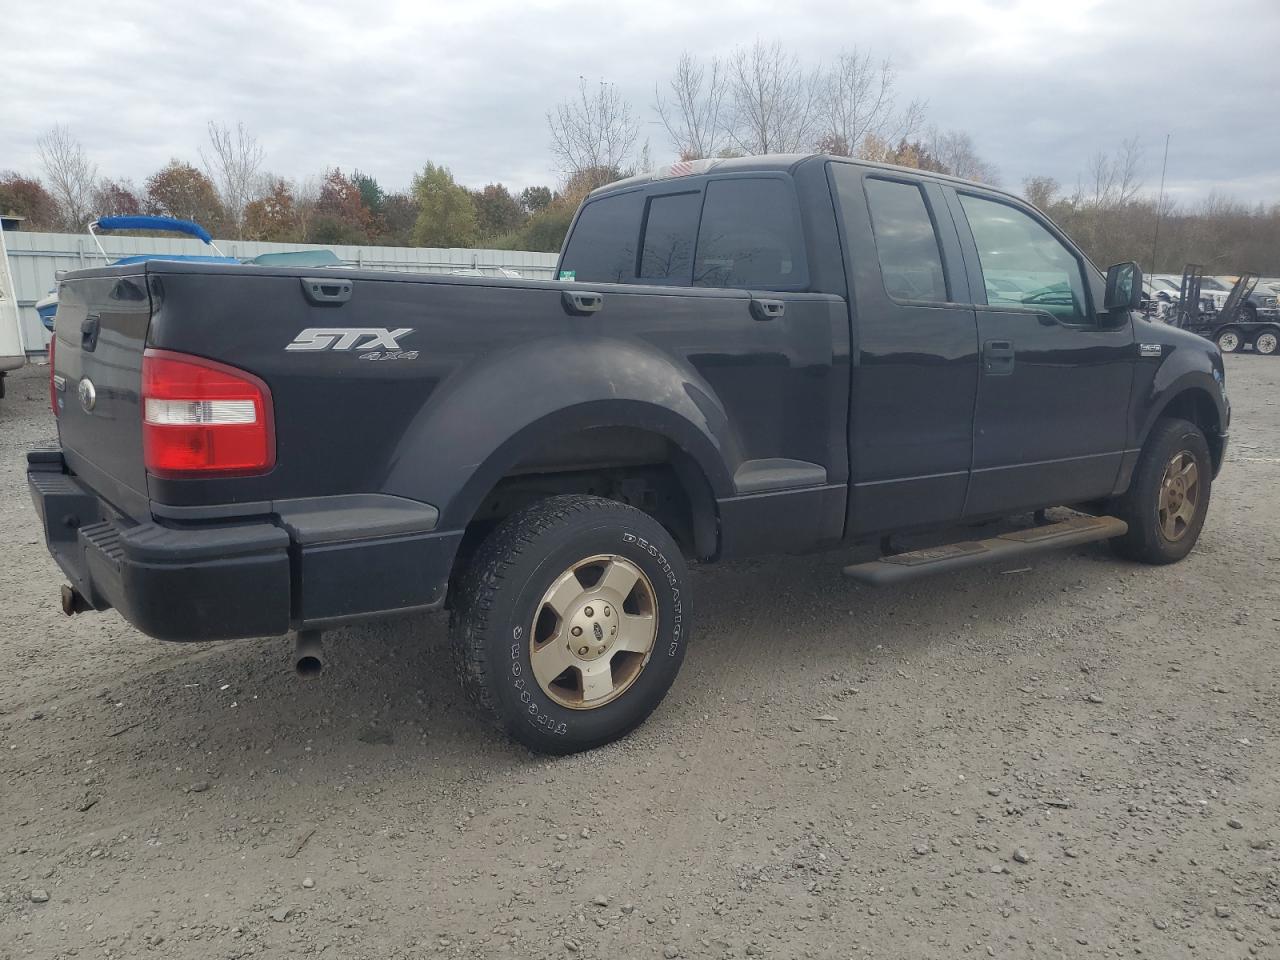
[(594, 130), (446, 212), (340, 215), (26, 197), (233, 162), (71, 176), (116, 198), (180, 190), (534, 199), (371, 193), (497, 211), (273, 216), (399, 219)]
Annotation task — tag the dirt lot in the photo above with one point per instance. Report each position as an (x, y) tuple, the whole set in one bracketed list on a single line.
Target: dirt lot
[(1081, 759)]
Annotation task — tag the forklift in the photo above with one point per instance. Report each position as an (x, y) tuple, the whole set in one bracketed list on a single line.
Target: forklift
[(1232, 328)]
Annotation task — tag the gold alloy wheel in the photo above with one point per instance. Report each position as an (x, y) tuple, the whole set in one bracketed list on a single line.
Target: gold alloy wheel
[(1179, 496), (593, 632)]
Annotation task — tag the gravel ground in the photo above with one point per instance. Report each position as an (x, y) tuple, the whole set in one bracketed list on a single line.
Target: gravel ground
[(1079, 759)]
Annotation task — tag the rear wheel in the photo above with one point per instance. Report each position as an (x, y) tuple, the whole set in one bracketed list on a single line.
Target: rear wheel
[(1267, 340), (1229, 340), (570, 623), (1168, 497)]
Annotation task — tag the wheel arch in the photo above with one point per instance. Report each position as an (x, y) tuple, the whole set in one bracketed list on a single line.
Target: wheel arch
[(1194, 402), (604, 442), (534, 407)]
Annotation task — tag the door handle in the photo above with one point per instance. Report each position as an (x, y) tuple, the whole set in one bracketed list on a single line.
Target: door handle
[(997, 358), (581, 303), (326, 290), (767, 309)]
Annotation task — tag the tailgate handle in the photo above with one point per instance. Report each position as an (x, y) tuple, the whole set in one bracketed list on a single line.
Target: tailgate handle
[(767, 309), (89, 333), (326, 290), (581, 303)]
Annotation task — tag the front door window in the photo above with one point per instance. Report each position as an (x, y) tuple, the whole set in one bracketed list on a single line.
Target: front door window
[(1023, 264)]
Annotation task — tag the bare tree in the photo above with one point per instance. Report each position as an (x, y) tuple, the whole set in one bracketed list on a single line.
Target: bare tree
[(234, 164), (1112, 179), (694, 116), (72, 176), (954, 149), (1041, 191), (593, 131), (772, 100), (858, 100)]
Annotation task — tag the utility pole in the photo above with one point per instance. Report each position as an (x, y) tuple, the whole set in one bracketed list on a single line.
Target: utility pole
[(1155, 240)]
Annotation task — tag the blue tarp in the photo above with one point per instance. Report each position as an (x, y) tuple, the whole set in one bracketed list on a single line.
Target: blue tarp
[(168, 224)]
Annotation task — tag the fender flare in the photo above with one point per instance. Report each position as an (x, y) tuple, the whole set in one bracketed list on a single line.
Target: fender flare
[(492, 415), (1196, 382)]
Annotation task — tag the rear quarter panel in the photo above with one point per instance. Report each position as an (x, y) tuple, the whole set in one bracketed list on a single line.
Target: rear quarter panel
[(500, 367)]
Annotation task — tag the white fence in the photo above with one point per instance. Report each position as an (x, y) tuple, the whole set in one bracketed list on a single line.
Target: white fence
[(36, 258)]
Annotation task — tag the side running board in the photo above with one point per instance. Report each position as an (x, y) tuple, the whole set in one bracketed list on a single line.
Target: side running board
[(1008, 546)]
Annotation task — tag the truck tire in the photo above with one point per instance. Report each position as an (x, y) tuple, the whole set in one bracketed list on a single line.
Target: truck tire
[(1168, 497), (1229, 340), (1266, 341), (571, 622)]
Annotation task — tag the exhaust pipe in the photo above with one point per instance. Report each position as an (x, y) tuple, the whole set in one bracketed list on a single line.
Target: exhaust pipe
[(308, 654), (73, 601)]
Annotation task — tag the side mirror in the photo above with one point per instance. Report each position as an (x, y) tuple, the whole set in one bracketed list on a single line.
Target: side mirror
[(1124, 287)]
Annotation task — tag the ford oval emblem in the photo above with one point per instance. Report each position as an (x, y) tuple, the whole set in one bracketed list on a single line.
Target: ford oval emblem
[(88, 395)]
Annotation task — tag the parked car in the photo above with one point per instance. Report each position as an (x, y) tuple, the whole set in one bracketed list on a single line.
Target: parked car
[(1260, 305), (748, 356)]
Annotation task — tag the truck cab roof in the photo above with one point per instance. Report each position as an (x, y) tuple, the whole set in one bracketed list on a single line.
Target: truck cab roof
[(776, 163)]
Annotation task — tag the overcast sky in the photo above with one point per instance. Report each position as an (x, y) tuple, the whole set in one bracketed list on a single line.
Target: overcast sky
[(1041, 85)]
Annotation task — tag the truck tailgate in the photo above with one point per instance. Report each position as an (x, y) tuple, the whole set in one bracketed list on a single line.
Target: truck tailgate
[(100, 336)]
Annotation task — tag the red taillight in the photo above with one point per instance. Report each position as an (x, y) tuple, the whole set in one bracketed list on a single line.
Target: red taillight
[(200, 417), (53, 391)]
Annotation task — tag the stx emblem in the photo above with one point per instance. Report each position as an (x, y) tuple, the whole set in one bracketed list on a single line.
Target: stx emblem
[(346, 338)]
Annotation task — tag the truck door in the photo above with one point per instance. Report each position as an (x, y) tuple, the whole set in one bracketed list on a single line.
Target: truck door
[(915, 364), (1050, 420)]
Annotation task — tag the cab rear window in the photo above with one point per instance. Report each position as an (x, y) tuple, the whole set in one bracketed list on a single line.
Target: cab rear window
[(740, 233), (602, 247)]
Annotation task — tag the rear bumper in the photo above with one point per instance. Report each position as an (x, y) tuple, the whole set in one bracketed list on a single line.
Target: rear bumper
[(301, 566)]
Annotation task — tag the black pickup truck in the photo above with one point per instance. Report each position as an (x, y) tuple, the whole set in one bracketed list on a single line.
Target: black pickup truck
[(747, 356)]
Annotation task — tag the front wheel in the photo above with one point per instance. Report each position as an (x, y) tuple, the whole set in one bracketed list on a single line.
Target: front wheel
[(571, 622), (1168, 497), (1266, 342)]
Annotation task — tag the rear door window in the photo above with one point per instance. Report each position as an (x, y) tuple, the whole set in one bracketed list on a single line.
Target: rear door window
[(906, 242), (670, 225), (750, 236), (602, 248)]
